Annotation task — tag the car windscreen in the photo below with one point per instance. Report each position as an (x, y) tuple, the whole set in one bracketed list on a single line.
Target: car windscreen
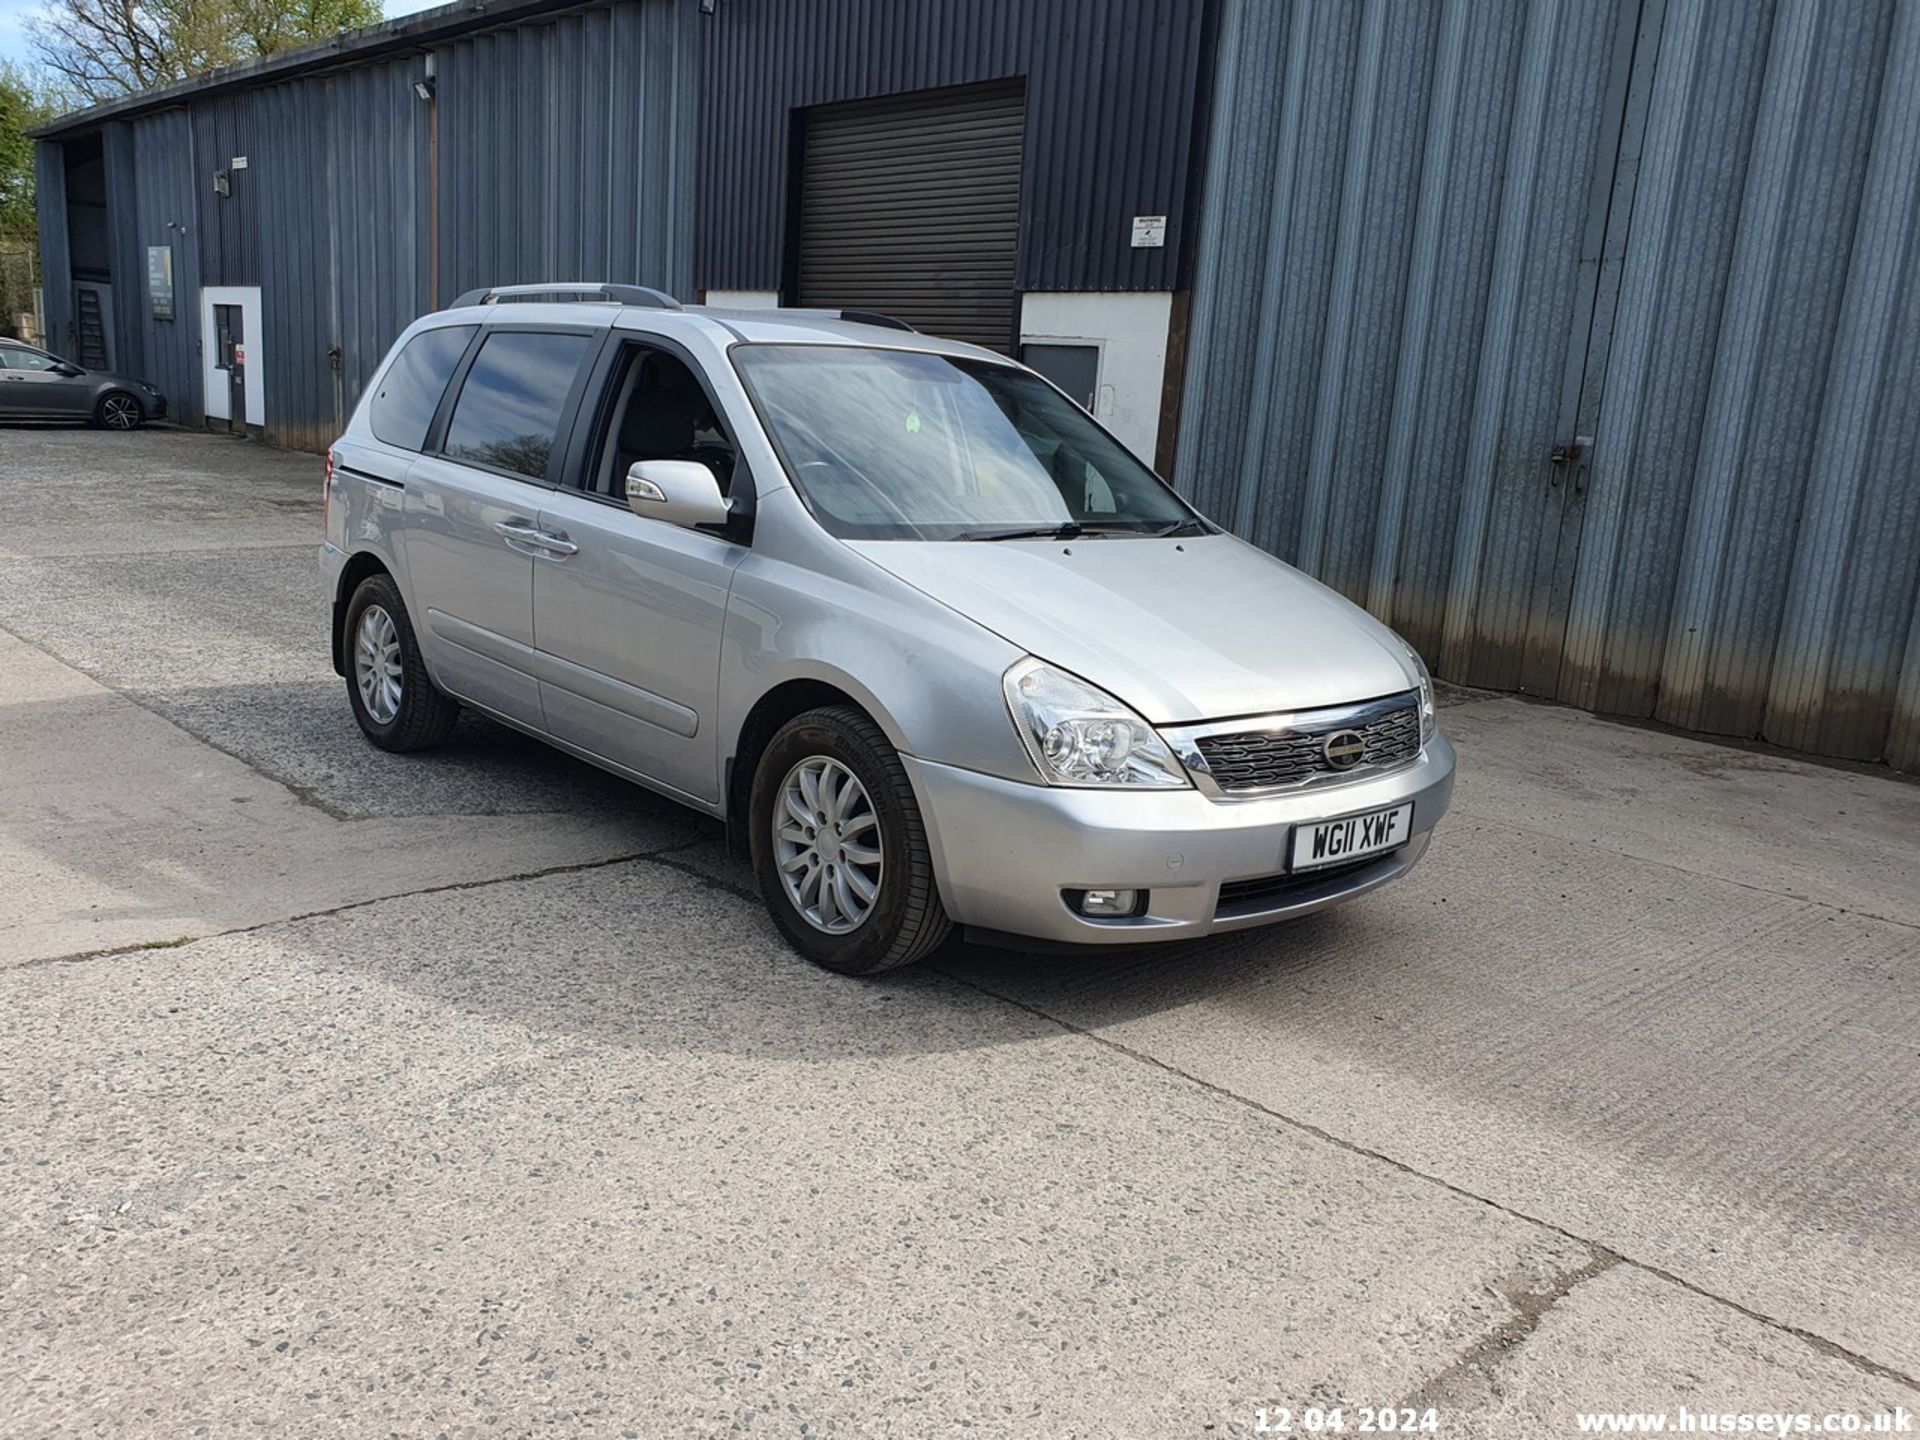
[(903, 445)]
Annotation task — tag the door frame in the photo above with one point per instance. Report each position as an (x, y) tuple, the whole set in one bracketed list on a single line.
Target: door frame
[(215, 398), (1505, 625), (1597, 277), (648, 755)]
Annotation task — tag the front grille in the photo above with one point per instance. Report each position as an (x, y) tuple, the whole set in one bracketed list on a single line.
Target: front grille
[(1266, 759), (1270, 892), (1271, 887)]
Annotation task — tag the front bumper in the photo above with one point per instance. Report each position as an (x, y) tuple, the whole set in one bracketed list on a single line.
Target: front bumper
[(1004, 851)]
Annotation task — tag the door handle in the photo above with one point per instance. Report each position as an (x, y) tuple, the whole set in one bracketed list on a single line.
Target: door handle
[(521, 535), (527, 533)]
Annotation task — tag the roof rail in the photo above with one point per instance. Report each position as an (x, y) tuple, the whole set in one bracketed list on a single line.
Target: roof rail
[(874, 317), (852, 317), (642, 295)]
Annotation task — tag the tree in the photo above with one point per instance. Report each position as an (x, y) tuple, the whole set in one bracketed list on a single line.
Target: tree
[(22, 106), (101, 50), (267, 27)]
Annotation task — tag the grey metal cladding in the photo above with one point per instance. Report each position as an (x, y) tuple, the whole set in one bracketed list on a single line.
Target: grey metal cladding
[(566, 150), (162, 213), (1440, 242), (1111, 91), (330, 217), (50, 186)]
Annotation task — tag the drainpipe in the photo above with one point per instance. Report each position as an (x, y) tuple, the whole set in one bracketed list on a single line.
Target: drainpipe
[(427, 88)]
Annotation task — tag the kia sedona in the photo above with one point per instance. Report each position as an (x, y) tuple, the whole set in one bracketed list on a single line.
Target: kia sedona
[(938, 650)]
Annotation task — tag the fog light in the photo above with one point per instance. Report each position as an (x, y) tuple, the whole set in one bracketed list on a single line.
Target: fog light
[(1108, 904)]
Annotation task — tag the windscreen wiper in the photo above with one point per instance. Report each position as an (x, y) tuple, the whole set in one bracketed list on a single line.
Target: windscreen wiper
[(1071, 530), (1076, 530), (1180, 527)]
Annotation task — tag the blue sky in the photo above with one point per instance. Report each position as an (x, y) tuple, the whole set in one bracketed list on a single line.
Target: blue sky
[(13, 44), (13, 39)]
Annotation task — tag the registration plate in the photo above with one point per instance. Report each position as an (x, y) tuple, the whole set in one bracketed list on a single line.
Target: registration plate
[(1351, 836)]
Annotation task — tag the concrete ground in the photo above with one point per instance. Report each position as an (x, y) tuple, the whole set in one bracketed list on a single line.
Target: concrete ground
[(344, 1093)]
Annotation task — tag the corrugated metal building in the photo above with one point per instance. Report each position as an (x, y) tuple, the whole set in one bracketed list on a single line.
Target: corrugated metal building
[(311, 205), (1109, 91), (1577, 338), (1021, 175), (325, 202), (1581, 341)]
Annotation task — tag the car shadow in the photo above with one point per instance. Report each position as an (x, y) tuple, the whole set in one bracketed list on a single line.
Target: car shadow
[(1179, 971), (302, 734), (675, 954), (1111, 986), (671, 952)]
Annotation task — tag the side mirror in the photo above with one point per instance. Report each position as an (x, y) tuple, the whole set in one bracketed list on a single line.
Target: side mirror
[(681, 492), (66, 368)]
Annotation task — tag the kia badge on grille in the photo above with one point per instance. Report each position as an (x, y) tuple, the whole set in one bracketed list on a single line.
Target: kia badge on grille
[(1344, 749)]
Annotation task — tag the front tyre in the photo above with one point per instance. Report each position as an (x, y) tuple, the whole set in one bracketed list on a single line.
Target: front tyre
[(839, 847), (118, 410), (392, 695)]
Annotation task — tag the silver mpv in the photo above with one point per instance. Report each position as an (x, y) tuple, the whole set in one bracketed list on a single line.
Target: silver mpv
[(934, 645)]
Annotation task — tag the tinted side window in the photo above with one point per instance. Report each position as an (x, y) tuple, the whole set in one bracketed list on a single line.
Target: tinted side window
[(510, 405), (410, 391)]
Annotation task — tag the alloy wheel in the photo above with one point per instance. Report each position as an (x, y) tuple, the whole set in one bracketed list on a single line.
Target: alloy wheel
[(376, 664), (119, 412), (826, 841)]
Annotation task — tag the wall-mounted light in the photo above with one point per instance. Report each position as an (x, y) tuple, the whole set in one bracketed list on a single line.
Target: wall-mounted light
[(425, 88)]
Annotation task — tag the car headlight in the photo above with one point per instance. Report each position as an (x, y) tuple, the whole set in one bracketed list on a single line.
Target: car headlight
[(1428, 721), (1078, 734)]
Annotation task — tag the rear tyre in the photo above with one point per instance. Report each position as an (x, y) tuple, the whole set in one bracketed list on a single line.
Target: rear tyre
[(393, 697), (117, 410), (839, 846)]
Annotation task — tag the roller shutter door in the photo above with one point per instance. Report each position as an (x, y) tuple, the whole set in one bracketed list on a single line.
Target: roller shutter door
[(911, 206)]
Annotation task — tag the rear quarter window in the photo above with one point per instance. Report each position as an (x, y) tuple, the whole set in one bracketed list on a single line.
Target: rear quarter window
[(410, 391)]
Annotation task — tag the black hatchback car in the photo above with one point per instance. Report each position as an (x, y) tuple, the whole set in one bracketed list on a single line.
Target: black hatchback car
[(35, 385)]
